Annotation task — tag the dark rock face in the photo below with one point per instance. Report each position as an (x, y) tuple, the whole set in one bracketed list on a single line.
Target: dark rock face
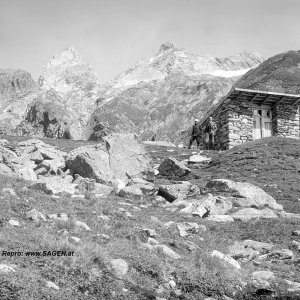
[(13, 82), (280, 73), (16, 88)]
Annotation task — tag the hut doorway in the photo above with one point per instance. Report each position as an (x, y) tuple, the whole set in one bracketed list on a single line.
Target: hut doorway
[(262, 123)]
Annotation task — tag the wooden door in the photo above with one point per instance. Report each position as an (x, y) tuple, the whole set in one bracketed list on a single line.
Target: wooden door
[(262, 123)]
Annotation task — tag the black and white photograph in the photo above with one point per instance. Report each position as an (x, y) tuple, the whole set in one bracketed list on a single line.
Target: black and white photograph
[(149, 150)]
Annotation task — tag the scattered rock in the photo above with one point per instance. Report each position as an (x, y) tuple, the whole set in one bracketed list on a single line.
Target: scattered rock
[(4, 268), (82, 225), (131, 191), (204, 206), (10, 191), (296, 245), (226, 259), (198, 159), (103, 189), (296, 233), (261, 247), (220, 218), (26, 173), (103, 236), (149, 232), (24, 189), (261, 279), (14, 223), (104, 218), (169, 224), (166, 251), (181, 190), (246, 214), (172, 284), (55, 185), (35, 215), (239, 251), (74, 239), (59, 217), (152, 241), (171, 167), (119, 267), (186, 228), (52, 285), (293, 286), (287, 215), (118, 184), (282, 254)]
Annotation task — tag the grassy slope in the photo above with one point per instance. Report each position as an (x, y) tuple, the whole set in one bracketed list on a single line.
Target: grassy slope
[(86, 275)]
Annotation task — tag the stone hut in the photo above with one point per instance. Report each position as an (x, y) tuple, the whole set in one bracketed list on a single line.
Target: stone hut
[(245, 115)]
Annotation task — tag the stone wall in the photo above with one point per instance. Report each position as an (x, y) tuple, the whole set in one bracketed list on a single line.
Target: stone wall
[(286, 121)]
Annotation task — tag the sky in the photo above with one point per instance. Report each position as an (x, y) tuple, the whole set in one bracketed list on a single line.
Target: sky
[(112, 35)]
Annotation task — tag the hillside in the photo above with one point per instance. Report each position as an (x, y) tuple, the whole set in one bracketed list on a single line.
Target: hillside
[(280, 73), (113, 258), (163, 107)]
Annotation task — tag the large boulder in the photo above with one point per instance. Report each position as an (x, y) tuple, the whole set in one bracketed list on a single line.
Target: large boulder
[(171, 167), (119, 157), (248, 194)]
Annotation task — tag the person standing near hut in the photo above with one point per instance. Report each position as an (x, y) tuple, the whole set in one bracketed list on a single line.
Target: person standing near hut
[(196, 134), (210, 134)]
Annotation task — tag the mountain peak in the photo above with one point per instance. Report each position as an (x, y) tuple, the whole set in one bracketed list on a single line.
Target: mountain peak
[(66, 70), (69, 56), (166, 46)]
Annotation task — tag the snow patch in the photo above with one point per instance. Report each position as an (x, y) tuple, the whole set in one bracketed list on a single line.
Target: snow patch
[(228, 74)]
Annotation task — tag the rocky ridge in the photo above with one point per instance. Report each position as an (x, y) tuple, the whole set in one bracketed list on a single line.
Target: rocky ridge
[(152, 97), (161, 95)]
